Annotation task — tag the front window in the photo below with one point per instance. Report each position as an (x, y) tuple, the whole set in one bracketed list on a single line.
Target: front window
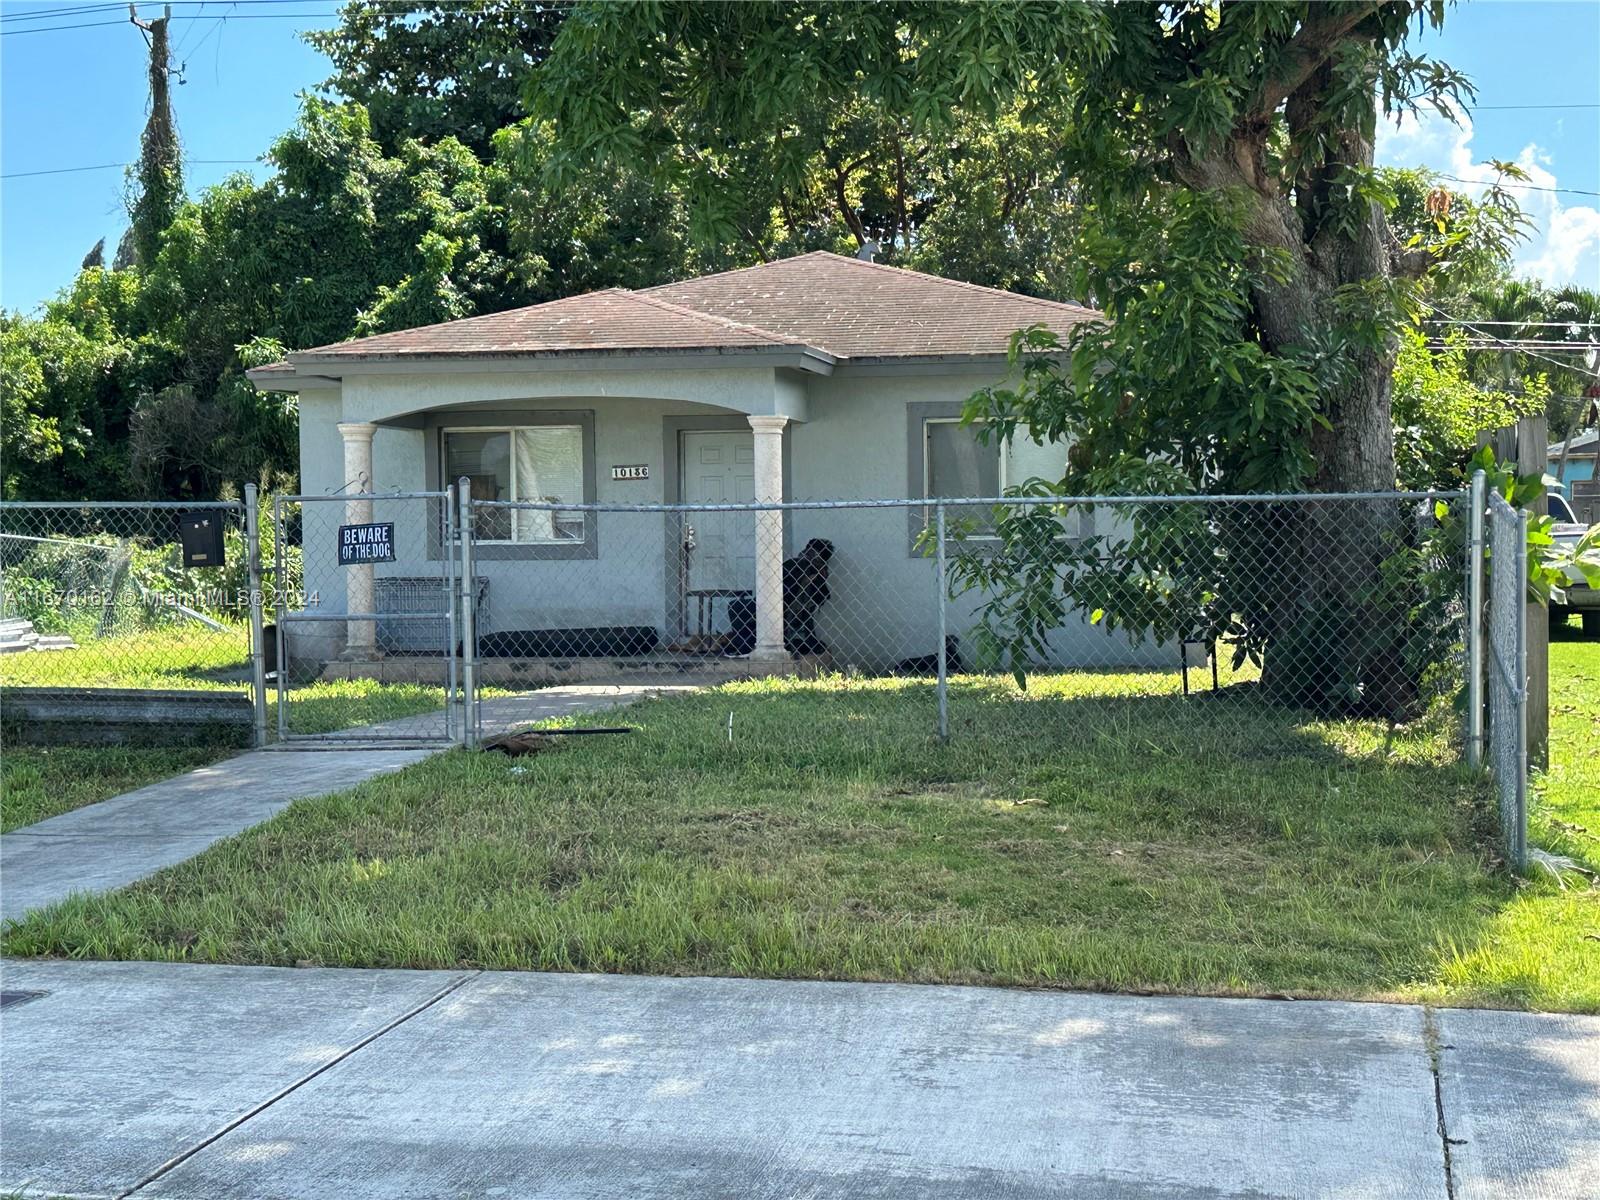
[(531, 464), (957, 465)]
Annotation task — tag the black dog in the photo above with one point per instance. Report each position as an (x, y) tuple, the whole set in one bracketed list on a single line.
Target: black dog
[(805, 589), (928, 664)]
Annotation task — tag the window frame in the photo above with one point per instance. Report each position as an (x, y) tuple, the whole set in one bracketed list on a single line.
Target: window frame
[(1001, 447), (508, 414), (920, 417), (511, 431)]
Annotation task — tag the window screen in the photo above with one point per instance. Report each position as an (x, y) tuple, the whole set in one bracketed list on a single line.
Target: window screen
[(958, 464), (535, 463)]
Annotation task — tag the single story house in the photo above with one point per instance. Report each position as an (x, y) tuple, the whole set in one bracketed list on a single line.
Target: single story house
[(816, 377), (1576, 465)]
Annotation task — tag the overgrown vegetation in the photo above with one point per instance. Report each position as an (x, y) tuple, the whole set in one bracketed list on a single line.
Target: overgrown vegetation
[(833, 838)]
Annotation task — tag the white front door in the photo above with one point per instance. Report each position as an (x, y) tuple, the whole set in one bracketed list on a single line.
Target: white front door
[(719, 468)]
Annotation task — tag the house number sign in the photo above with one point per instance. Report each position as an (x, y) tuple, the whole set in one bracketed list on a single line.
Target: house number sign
[(636, 471)]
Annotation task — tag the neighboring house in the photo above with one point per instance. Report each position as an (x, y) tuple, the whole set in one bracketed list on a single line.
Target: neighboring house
[(814, 377), (1579, 473)]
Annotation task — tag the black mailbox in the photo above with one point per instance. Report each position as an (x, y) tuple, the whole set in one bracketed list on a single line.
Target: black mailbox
[(201, 535)]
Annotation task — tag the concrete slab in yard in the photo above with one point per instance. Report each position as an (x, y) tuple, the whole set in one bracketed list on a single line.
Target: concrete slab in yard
[(585, 1086), (121, 1066), (1522, 1104)]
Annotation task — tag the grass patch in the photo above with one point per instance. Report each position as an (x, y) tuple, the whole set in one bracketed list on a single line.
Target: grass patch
[(1089, 833), (187, 657), (38, 782), (191, 657), (1067, 837), (1545, 942)]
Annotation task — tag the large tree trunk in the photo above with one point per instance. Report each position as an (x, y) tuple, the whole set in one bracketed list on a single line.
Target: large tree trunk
[(1337, 630)]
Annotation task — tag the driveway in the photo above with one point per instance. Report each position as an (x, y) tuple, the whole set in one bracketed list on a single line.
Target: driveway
[(207, 1081)]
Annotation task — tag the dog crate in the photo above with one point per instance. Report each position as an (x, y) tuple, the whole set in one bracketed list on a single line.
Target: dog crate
[(404, 604)]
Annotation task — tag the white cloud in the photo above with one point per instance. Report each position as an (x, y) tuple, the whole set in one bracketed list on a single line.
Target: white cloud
[(1563, 246)]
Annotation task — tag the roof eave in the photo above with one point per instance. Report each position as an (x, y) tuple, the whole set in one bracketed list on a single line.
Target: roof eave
[(797, 355)]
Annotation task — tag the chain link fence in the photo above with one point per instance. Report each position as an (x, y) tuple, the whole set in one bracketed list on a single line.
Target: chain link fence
[(1506, 647), (108, 628), (1181, 626), (1179, 620)]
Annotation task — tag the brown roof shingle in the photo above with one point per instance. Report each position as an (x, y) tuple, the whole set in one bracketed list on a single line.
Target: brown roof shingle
[(857, 309), (843, 307), (615, 320)]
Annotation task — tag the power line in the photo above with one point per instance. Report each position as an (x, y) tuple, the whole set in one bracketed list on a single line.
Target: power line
[(59, 28), (1531, 187), (464, 6), (46, 14), (1518, 345), (1501, 343), (210, 33), (1516, 324), (1511, 107), (199, 162), (294, 16)]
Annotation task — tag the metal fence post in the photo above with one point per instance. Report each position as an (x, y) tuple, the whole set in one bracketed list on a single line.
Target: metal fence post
[(1519, 838), (1475, 618), (452, 605), (469, 625), (280, 610), (944, 591), (258, 649)]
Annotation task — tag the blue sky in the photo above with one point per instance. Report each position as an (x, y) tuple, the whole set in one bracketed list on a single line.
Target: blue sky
[(76, 97)]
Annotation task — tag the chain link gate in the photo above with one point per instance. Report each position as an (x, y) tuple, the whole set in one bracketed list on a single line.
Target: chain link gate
[(366, 633)]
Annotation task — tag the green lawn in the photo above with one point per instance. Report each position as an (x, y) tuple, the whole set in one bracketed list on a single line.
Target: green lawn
[(190, 657), (1060, 839), (1548, 937), (185, 656), (38, 782)]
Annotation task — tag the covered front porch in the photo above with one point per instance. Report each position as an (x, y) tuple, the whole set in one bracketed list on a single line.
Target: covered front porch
[(569, 488)]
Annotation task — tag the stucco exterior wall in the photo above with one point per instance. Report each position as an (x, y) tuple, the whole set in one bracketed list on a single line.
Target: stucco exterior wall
[(851, 444)]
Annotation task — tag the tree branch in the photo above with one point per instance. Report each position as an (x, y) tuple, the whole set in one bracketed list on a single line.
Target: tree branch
[(1307, 50)]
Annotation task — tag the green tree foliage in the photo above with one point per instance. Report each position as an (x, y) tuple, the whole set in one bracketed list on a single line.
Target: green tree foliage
[(1167, 133), (1439, 411), (67, 382), (1518, 310), (425, 193), (432, 70), (1231, 223)]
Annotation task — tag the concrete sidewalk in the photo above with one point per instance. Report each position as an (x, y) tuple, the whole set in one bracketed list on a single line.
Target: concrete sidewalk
[(199, 1081), (117, 841), (113, 843)]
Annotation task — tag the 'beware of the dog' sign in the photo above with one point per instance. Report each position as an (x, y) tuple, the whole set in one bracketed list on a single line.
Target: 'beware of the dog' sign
[(360, 544)]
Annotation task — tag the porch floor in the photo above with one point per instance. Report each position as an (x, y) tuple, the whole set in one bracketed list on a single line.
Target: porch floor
[(523, 673)]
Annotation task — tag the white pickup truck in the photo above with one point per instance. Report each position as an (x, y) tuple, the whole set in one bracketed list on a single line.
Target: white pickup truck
[(1581, 599)]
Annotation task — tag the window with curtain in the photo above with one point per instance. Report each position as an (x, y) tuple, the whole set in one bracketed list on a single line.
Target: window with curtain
[(533, 463)]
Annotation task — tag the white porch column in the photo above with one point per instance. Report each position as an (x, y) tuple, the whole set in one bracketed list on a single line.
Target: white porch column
[(769, 540), (361, 637)]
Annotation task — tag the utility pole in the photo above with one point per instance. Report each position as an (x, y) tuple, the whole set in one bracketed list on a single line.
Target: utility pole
[(158, 179)]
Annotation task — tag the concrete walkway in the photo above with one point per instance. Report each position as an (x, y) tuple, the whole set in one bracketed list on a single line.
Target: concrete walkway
[(198, 1081), (118, 841)]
